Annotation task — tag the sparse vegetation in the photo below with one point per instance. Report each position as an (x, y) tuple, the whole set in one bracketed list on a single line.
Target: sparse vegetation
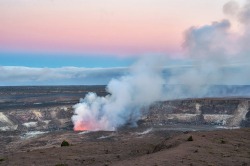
[(64, 143), (61, 165), (222, 141), (190, 138)]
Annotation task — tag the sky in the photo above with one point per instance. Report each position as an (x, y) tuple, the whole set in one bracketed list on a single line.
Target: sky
[(87, 35)]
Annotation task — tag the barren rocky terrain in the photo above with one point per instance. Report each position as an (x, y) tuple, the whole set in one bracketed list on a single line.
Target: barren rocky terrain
[(139, 146), (35, 120)]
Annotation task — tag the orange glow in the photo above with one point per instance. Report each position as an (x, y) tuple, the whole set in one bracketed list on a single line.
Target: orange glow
[(79, 126)]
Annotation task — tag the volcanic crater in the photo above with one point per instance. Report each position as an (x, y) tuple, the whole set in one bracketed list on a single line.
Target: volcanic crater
[(35, 120)]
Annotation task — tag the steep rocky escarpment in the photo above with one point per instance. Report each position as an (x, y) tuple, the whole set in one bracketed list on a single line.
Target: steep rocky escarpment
[(48, 118), (230, 112), (50, 108), (210, 111)]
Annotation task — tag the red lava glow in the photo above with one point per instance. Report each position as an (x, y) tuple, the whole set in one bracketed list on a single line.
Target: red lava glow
[(79, 126)]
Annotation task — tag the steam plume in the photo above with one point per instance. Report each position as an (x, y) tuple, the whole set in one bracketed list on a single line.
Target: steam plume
[(219, 57), (128, 96)]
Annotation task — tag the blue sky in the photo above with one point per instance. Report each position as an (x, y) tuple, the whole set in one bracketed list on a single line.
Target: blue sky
[(60, 60)]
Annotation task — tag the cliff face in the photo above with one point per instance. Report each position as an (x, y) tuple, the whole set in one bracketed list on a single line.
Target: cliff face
[(48, 118), (50, 108), (40, 108), (223, 112)]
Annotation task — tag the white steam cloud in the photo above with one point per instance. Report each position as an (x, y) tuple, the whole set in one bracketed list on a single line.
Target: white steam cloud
[(128, 96), (218, 56)]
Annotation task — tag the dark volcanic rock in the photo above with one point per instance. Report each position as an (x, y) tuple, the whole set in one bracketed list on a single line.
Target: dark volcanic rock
[(230, 112), (50, 108)]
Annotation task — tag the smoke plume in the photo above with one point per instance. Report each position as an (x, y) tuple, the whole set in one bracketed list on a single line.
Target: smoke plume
[(218, 56), (128, 96)]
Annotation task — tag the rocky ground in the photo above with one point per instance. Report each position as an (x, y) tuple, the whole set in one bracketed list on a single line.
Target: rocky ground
[(51, 108), (138, 146), (35, 120)]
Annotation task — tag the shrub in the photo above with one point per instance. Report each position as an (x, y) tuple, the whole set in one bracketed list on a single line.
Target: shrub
[(190, 138), (61, 165), (65, 143), (222, 141)]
